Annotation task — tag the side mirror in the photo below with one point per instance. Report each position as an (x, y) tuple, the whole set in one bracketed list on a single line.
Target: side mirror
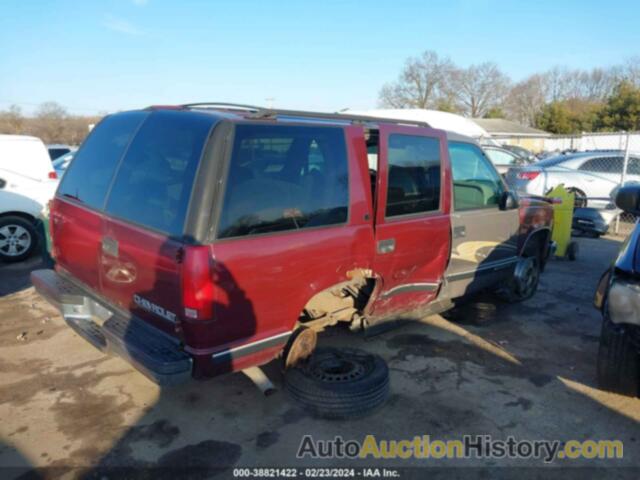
[(628, 199), (3, 183), (508, 201)]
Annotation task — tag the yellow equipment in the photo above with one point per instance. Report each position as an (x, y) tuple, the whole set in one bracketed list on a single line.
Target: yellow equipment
[(562, 219)]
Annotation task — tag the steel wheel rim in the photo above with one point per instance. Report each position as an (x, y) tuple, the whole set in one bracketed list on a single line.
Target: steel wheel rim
[(14, 240), (334, 368)]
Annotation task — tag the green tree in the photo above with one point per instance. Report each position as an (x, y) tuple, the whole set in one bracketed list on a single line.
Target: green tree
[(554, 118), (622, 110), (494, 112), (569, 116)]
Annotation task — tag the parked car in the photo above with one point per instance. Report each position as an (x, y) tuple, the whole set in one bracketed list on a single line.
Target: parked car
[(200, 239), (618, 298), (504, 159), (521, 152), (592, 222), (57, 150), (61, 163), (27, 182), (592, 176)]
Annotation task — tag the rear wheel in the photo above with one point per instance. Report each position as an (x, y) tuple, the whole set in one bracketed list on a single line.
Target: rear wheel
[(524, 282), (18, 238), (619, 358)]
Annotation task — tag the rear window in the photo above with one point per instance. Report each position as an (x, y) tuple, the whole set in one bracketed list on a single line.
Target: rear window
[(553, 161), (153, 185), (285, 178), (57, 152), (88, 178)]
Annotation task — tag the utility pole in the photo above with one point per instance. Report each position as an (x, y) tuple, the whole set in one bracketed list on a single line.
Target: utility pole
[(623, 177)]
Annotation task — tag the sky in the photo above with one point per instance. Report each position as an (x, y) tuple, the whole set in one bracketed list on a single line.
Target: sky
[(108, 55)]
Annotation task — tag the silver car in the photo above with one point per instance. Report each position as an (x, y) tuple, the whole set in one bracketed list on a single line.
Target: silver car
[(504, 159), (592, 176)]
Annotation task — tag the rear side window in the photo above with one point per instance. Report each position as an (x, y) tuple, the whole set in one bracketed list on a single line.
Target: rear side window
[(414, 175), (285, 178), (603, 165), (88, 177), (476, 184), (153, 185)]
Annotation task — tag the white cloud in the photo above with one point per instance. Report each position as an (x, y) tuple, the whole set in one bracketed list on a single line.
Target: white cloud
[(121, 25)]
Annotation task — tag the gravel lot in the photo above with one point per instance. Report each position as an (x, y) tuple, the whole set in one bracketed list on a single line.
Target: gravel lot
[(524, 370)]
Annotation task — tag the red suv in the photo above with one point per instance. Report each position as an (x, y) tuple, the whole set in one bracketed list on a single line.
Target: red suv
[(195, 240)]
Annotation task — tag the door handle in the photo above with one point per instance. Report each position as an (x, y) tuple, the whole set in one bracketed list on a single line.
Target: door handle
[(386, 246), (110, 246), (459, 232)]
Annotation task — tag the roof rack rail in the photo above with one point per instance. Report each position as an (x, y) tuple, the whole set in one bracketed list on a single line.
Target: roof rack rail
[(224, 106), (344, 117), (261, 112)]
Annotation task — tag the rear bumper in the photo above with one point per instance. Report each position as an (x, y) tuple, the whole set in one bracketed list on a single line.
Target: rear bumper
[(150, 351)]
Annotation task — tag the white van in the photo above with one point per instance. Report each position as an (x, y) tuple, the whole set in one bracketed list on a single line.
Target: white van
[(27, 182)]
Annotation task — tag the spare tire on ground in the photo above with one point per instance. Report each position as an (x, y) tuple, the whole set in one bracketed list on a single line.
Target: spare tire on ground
[(339, 383)]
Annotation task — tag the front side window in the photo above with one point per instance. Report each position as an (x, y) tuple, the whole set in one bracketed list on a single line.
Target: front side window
[(285, 178), (89, 175), (153, 185), (476, 184), (414, 175)]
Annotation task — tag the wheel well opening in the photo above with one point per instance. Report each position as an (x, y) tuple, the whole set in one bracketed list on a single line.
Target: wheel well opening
[(343, 302), (24, 215)]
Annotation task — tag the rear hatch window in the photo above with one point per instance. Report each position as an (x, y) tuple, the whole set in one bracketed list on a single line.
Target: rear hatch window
[(89, 175), (153, 184)]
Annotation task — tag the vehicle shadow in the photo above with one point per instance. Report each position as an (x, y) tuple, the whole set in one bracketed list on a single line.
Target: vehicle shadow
[(14, 277), (234, 318)]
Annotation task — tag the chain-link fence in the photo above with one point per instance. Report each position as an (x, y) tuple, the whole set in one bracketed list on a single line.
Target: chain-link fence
[(593, 166)]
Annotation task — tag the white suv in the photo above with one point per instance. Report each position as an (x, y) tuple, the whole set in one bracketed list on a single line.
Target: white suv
[(27, 182)]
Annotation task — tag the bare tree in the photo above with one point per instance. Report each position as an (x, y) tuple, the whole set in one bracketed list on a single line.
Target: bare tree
[(479, 88), (12, 121), (630, 71), (597, 84), (421, 83), (50, 122), (526, 99)]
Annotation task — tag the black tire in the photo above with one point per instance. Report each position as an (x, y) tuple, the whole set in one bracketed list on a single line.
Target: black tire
[(339, 383), (14, 232), (514, 291), (619, 358)]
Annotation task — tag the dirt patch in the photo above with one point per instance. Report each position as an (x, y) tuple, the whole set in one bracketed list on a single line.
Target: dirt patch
[(27, 319)]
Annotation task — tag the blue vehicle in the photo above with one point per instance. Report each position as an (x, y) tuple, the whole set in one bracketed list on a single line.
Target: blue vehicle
[(61, 163), (618, 298)]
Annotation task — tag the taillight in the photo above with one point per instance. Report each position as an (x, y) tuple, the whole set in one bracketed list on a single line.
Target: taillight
[(50, 222), (197, 283), (528, 175), (53, 175)]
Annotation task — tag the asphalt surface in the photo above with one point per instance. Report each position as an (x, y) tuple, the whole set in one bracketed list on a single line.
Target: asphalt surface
[(526, 371)]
